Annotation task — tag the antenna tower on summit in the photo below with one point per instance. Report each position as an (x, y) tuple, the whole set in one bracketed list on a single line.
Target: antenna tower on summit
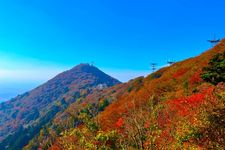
[(153, 66), (92, 63)]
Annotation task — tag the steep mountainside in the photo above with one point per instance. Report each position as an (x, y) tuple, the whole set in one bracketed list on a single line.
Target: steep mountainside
[(173, 108), (98, 100), (32, 110)]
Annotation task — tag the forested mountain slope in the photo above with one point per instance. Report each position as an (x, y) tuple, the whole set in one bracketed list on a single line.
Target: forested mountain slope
[(177, 107), (22, 117)]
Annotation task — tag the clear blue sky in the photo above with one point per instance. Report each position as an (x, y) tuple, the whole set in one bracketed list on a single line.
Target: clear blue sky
[(118, 35)]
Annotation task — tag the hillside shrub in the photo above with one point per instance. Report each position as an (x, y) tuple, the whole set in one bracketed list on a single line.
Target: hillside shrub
[(215, 71)]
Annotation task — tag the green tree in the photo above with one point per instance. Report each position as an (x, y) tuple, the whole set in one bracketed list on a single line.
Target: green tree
[(215, 71)]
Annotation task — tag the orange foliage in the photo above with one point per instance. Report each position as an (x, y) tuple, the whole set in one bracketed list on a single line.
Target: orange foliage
[(119, 123), (195, 78), (180, 72), (183, 105), (147, 124)]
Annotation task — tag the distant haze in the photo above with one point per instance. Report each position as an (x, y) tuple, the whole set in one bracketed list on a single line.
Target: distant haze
[(10, 90), (14, 82)]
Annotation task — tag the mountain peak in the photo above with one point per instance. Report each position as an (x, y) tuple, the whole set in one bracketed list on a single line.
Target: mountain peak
[(87, 70), (84, 67), (63, 89)]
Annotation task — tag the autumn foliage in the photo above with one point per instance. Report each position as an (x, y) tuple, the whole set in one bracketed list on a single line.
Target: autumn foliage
[(174, 108)]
